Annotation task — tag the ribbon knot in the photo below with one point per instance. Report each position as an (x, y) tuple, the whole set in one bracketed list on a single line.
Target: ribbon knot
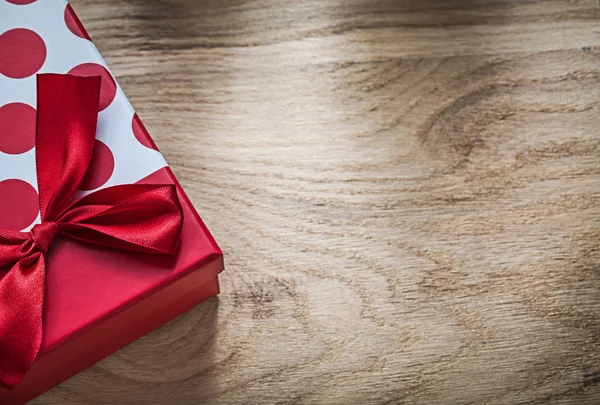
[(44, 234), (144, 218)]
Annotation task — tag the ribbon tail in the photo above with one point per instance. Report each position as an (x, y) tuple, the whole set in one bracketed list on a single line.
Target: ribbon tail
[(21, 308)]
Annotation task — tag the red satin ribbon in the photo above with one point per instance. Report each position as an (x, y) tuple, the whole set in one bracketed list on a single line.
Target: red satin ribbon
[(134, 217)]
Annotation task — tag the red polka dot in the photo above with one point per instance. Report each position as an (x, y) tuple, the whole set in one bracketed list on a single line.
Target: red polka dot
[(22, 53), (19, 204), (17, 123), (139, 130), (21, 2), (100, 169), (108, 90), (74, 24)]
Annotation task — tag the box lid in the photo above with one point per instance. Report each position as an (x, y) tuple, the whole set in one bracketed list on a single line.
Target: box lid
[(84, 284)]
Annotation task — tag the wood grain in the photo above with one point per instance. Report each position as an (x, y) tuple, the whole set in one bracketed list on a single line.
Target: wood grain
[(407, 192)]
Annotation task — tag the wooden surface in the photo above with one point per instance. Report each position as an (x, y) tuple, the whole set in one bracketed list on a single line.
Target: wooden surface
[(407, 192)]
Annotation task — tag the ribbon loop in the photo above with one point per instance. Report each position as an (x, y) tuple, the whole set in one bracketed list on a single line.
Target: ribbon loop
[(67, 110), (141, 218)]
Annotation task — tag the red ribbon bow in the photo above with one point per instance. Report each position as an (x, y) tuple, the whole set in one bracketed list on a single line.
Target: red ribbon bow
[(135, 217)]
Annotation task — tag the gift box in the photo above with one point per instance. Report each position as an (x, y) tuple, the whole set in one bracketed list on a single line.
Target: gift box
[(97, 299)]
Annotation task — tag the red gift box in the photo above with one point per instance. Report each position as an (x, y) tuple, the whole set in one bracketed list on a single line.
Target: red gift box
[(97, 300)]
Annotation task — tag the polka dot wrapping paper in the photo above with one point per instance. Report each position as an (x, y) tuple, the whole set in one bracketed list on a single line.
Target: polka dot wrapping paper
[(45, 36), (96, 300)]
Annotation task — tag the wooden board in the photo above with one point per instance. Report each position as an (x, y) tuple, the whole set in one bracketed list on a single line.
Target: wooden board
[(407, 192)]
